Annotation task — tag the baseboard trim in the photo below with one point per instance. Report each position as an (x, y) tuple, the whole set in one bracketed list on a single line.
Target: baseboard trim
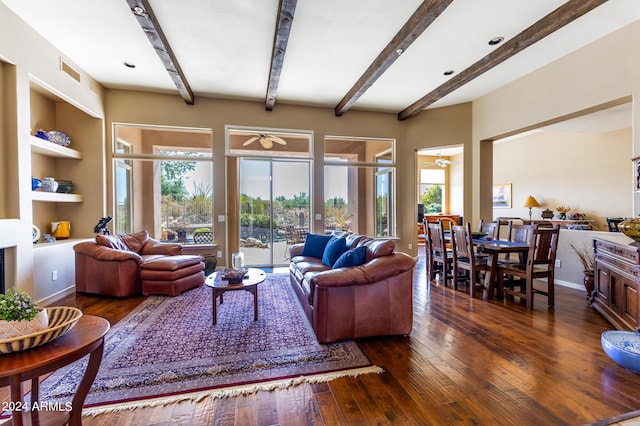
[(50, 300), (571, 285)]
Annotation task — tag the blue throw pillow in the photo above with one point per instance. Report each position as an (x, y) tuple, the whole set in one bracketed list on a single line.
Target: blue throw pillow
[(335, 247), (353, 257), (314, 245)]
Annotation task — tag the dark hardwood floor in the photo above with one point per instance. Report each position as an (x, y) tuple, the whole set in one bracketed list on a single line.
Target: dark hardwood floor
[(467, 361)]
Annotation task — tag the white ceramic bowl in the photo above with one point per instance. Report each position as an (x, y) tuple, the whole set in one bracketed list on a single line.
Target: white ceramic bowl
[(623, 347)]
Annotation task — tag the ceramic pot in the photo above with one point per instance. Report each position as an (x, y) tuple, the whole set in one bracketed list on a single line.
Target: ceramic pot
[(49, 184), (589, 283), (61, 230), (210, 262), (631, 228), (203, 237), (11, 329)]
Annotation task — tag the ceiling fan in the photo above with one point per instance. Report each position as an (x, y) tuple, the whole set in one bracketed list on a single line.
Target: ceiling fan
[(442, 162), (266, 140)]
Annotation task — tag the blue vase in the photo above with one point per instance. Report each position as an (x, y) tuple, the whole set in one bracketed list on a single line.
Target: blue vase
[(35, 183)]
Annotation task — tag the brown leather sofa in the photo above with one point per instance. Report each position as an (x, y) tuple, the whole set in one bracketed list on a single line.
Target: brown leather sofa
[(373, 299), (129, 264)]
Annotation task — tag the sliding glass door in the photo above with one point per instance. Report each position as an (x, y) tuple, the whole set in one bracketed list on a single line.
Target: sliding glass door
[(274, 208)]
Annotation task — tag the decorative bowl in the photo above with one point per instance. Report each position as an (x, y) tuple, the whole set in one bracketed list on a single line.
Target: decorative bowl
[(64, 186), (49, 184), (234, 276), (59, 138), (478, 235), (61, 320), (623, 347), (631, 228)]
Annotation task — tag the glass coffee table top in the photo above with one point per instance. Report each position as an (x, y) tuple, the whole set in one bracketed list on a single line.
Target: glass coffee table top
[(253, 276)]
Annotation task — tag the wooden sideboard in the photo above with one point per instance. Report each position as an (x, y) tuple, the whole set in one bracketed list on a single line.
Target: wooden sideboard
[(617, 280), (433, 218)]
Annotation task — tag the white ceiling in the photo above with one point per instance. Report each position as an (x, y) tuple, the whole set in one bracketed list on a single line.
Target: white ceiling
[(224, 47)]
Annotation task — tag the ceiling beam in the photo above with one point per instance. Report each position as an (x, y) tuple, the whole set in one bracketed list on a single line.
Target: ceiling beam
[(564, 15), (424, 16), (147, 20), (286, 11)]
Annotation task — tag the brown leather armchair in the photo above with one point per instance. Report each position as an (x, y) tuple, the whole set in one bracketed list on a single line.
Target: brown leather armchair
[(112, 265)]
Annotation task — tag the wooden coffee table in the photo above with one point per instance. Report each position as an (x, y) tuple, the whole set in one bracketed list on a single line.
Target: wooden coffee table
[(86, 337), (250, 283)]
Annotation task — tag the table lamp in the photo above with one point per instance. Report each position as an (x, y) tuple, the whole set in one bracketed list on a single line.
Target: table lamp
[(530, 202)]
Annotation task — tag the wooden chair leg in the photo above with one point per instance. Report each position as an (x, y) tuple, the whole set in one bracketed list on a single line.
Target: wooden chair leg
[(472, 283), (529, 295)]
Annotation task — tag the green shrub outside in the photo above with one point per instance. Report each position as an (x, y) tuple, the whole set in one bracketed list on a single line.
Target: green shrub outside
[(256, 220)]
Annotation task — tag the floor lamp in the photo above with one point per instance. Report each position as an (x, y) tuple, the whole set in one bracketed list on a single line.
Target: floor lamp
[(530, 202)]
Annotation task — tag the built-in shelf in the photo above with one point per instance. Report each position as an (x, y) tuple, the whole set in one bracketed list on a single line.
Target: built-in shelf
[(55, 197), (43, 245), (51, 149)]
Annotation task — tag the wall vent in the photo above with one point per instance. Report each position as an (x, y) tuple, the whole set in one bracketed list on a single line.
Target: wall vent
[(69, 70)]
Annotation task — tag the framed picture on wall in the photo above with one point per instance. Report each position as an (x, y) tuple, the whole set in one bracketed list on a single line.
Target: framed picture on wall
[(502, 196)]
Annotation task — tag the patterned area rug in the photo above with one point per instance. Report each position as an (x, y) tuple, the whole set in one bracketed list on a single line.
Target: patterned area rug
[(167, 350)]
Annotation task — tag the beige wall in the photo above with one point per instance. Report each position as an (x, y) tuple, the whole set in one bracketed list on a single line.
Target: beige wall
[(591, 173), (28, 60), (601, 73)]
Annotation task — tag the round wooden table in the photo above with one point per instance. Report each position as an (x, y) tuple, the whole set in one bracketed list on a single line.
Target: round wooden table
[(249, 283), (87, 337)]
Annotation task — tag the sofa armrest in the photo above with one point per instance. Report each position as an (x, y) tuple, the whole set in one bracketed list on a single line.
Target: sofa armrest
[(156, 247), (295, 250), (373, 271), (99, 252)]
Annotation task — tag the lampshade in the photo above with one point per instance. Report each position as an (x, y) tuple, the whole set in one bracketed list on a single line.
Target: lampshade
[(530, 202)]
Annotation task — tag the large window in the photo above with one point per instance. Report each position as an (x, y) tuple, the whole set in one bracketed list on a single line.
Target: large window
[(360, 185), (123, 190), (274, 187), (431, 190), (164, 183)]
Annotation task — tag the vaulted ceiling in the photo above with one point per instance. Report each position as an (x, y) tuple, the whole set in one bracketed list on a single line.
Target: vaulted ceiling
[(359, 54)]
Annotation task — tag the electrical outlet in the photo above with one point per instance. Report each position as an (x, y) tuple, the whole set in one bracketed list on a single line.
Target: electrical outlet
[(410, 246), (219, 254), (54, 275), (558, 263)]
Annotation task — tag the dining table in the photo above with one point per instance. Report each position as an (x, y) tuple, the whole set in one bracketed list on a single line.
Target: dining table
[(493, 249)]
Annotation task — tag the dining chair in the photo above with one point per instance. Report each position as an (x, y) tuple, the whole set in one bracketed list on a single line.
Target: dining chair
[(490, 228), (440, 257), (467, 264), (447, 223), (540, 263), (518, 233)]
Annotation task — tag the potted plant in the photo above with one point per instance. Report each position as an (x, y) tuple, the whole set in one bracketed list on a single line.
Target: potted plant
[(562, 211), (585, 255), (202, 236), (19, 315)]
